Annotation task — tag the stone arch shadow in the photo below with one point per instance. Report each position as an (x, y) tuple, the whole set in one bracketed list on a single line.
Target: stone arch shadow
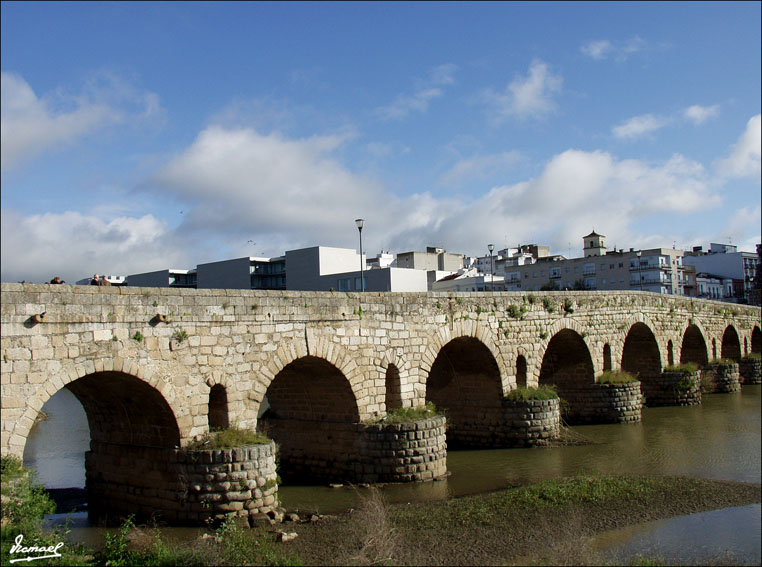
[(466, 382), (695, 344), (134, 436), (314, 414)]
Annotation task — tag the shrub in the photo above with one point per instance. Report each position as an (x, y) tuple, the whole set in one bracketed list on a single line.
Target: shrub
[(180, 335), (723, 362), (568, 306), (547, 303), (228, 439), (616, 377), (524, 393)]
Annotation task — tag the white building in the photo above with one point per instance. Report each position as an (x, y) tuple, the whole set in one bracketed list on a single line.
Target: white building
[(724, 261)]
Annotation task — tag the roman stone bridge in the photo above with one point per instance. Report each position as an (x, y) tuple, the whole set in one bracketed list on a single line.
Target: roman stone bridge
[(156, 367)]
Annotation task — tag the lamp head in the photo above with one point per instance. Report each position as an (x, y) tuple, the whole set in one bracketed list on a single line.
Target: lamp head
[(490, 247), (359, 223)]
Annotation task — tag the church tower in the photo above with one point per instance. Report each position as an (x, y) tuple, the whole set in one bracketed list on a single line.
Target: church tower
[(594, 245)]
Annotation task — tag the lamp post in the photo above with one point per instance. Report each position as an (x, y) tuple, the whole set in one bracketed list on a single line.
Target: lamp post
[(640, 277), (359, 223), (491, 247)]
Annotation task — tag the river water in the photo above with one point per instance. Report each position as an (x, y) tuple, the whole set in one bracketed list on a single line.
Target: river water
[(719, 439)]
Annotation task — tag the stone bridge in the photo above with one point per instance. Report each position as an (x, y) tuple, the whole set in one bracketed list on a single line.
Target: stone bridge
[(156, 367)]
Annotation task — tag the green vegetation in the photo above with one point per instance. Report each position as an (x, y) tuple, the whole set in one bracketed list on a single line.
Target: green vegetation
[(180, 335), (516, 312), (616, 377), (524, 393), (689, 367), (407, 415), (753, 356), (138, 336), (547, 303), (531, 298), (723, 362), (568, 305), (228, 439)]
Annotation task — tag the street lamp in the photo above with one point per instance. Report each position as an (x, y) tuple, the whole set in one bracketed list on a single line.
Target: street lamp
[(640, 277), (491, 247), (359, 223)]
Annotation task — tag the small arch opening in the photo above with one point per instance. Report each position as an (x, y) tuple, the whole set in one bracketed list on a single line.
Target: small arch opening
[(606, 357), (521, 370), (393, 388), (218, 408)]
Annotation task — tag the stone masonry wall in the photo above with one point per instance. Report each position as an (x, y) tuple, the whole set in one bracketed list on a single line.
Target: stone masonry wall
[(750, 370), (722, 378), (179, 486), (243, 339), (403, 452), (607, 403), (674, 388)]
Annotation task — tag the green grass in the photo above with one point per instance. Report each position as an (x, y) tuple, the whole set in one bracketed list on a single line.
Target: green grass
[(616, 377), (753, 356), (228, 439), (689, 367), (523, 393), (407, 415), (723, 362)]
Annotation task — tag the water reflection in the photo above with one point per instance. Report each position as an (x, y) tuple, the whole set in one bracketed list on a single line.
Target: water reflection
[(729, 536)]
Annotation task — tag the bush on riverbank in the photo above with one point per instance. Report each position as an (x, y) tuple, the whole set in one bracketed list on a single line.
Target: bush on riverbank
[(525, 393)]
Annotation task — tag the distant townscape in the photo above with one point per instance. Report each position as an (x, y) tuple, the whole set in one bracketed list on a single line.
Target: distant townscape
[(721, 273)]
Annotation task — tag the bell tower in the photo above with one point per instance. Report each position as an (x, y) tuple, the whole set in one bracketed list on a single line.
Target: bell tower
[(594, 244)]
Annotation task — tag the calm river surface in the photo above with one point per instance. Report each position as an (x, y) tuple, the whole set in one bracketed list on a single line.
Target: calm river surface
[(719, 439)]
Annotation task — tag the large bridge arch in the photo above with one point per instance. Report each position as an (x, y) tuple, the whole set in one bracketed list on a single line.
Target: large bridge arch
[(106, 368), (465, 381), (642, 358), (694, 347), (567, 365), (313, 416), (468, 328), (731, 344)]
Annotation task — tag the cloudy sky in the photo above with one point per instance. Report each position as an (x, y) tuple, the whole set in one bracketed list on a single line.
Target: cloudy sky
[(142, 136)]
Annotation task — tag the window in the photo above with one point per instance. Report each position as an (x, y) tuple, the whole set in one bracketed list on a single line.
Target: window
[(345, 284), (359, 284)]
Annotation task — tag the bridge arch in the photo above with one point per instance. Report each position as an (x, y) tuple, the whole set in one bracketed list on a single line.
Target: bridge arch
[(568, 366), (394, 371), (641, 357), (731, 344), (756, 340), (105, 368), (694, 348), (313, 417), (465, 381), (469, 328)]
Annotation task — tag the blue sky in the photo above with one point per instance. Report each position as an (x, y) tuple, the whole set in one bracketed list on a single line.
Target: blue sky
[(141, 136)]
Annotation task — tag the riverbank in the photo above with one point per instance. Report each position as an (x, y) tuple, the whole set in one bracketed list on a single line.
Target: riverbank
[(545, 523)]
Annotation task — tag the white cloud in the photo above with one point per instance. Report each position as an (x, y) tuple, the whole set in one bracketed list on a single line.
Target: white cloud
[(30, 125), (530, 96), (744, 158), (479, 167), (638, 126), (699, 114), (426, 91), (601, 49), (73, 245), (598, 49)]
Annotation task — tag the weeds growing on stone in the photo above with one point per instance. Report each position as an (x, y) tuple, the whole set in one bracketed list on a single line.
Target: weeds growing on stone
[(616, 377), (524, 393), (228, 438)]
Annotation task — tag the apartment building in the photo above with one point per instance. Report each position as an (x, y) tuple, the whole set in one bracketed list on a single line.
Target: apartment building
[(725, 262), (658, 270)]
